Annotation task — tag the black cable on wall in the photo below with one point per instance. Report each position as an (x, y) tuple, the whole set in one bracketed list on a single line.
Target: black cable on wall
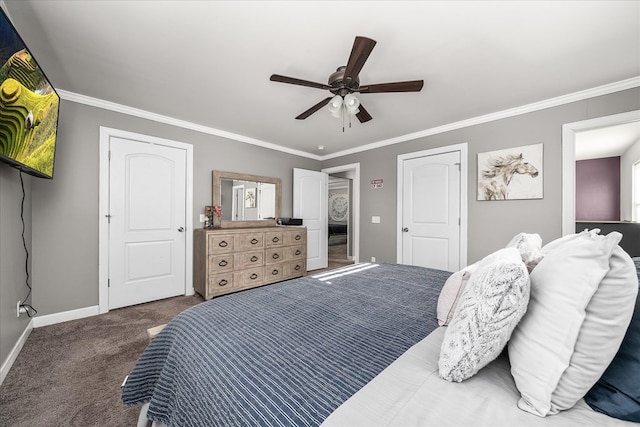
[(27, 307)]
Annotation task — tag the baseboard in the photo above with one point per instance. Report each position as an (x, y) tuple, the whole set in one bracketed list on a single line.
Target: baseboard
[(13, 355), (65, 316)]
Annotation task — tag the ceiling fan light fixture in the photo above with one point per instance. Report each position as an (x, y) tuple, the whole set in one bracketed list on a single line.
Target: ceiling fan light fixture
[(335, 106), (351, 103)]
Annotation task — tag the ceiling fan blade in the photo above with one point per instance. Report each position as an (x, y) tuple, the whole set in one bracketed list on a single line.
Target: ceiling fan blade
[(362, 47), (409, 86), (313, 109), (294, 81), (363, 115)]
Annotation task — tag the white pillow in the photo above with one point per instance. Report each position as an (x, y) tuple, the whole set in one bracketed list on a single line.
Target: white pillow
[(529, 246), (562, 285), (450, 294), (491, 305), (607, 318)]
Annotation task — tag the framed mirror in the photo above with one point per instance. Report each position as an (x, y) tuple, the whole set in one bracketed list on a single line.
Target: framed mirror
[(246, 200)]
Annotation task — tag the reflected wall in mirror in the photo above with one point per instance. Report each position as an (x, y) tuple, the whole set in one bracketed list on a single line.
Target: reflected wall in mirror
[(246, 200)]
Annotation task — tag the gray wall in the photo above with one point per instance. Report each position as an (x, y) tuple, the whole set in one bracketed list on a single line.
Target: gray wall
[(12, 256), (62, 214), (65, 210), (490, 224)]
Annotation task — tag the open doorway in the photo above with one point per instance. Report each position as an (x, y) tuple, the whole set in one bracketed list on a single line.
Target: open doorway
[(578, 132), (343, 214), (339, 219)]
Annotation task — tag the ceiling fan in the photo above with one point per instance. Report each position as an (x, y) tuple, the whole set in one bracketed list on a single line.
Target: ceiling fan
[(345, 81)]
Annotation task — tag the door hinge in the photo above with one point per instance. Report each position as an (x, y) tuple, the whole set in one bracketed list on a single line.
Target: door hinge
[(108, 283), (108, 218), (459, 221), (459, 166)]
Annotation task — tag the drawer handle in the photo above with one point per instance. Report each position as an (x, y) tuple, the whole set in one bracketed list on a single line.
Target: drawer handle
[(275, 272), (223, 263), (298, 251), (223, 244), (275, 256), (222, 282), (254, 241), (275, 240), (298, 237), (254, 258), (253, 276), (298, 267)]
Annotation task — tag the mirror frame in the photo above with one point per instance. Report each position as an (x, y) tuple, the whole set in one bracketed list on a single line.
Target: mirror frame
[(219, 175)]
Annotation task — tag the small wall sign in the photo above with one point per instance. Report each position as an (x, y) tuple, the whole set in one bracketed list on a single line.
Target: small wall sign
[(376, 183)]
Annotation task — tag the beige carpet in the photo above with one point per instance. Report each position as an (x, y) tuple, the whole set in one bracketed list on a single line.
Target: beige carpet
[(70, 374)]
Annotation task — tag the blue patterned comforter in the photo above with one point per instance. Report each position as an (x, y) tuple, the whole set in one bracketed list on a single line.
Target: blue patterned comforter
[(287, 354)]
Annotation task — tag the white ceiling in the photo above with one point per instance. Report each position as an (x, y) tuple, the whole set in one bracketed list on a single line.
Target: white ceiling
[(609, 141), (208, 62)]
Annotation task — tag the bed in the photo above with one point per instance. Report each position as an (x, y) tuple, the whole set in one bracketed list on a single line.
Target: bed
[(356, 346), (287, 354)]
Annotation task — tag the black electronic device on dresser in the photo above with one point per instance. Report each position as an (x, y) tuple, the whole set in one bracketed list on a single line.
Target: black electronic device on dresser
[(289, 221)]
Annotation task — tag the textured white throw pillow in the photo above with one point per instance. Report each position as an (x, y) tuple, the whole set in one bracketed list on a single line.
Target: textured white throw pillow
[(530, 246), (562, 285), (451, 292), (491, 305)]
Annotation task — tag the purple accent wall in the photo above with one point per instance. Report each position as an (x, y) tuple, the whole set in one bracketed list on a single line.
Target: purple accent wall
[(598, 189)]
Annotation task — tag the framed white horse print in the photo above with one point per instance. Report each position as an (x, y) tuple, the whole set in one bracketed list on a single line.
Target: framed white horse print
[(510, 174)]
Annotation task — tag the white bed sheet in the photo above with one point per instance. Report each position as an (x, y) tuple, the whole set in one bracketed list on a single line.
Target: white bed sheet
[(410, 393)]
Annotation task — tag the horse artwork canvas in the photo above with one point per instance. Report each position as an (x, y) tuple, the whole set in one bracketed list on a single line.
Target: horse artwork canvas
[(510, 174)]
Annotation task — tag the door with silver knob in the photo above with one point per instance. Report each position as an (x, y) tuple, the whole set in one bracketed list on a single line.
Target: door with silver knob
[(431, 210), (147, 207)]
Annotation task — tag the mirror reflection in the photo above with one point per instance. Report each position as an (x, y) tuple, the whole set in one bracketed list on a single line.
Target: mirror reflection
[(246, 200), (242, 200)]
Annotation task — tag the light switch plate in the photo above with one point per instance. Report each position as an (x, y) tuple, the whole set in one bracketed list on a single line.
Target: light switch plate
[(375, 220)]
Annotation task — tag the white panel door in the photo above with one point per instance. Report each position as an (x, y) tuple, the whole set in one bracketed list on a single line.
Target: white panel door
[(147, 199), (310, 201), (267, 191), (431, 211)]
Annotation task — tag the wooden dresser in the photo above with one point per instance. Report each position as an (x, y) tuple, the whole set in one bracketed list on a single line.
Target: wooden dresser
[(230, 260)]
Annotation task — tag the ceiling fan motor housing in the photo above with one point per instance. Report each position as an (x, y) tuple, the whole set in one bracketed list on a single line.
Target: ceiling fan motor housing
[(338, 85)]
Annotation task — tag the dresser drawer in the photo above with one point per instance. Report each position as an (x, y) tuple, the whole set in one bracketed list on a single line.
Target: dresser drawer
[(230, 260), (294, 236), (250, 241), (295, 268), (220, 283), (274, 272), (249, 277), (274, 238), (294, 252), (249, 259), (221, 263), (220, 243), (274, 255)]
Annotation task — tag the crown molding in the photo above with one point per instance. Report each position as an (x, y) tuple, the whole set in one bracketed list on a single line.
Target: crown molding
[(124, 109), (524, 109), (528, 108)]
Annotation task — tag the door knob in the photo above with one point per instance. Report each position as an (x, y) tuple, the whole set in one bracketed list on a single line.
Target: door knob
[(405, 229), (181, 229)]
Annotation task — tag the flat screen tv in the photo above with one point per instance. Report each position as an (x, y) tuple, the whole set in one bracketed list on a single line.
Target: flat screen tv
[(29, 107)]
